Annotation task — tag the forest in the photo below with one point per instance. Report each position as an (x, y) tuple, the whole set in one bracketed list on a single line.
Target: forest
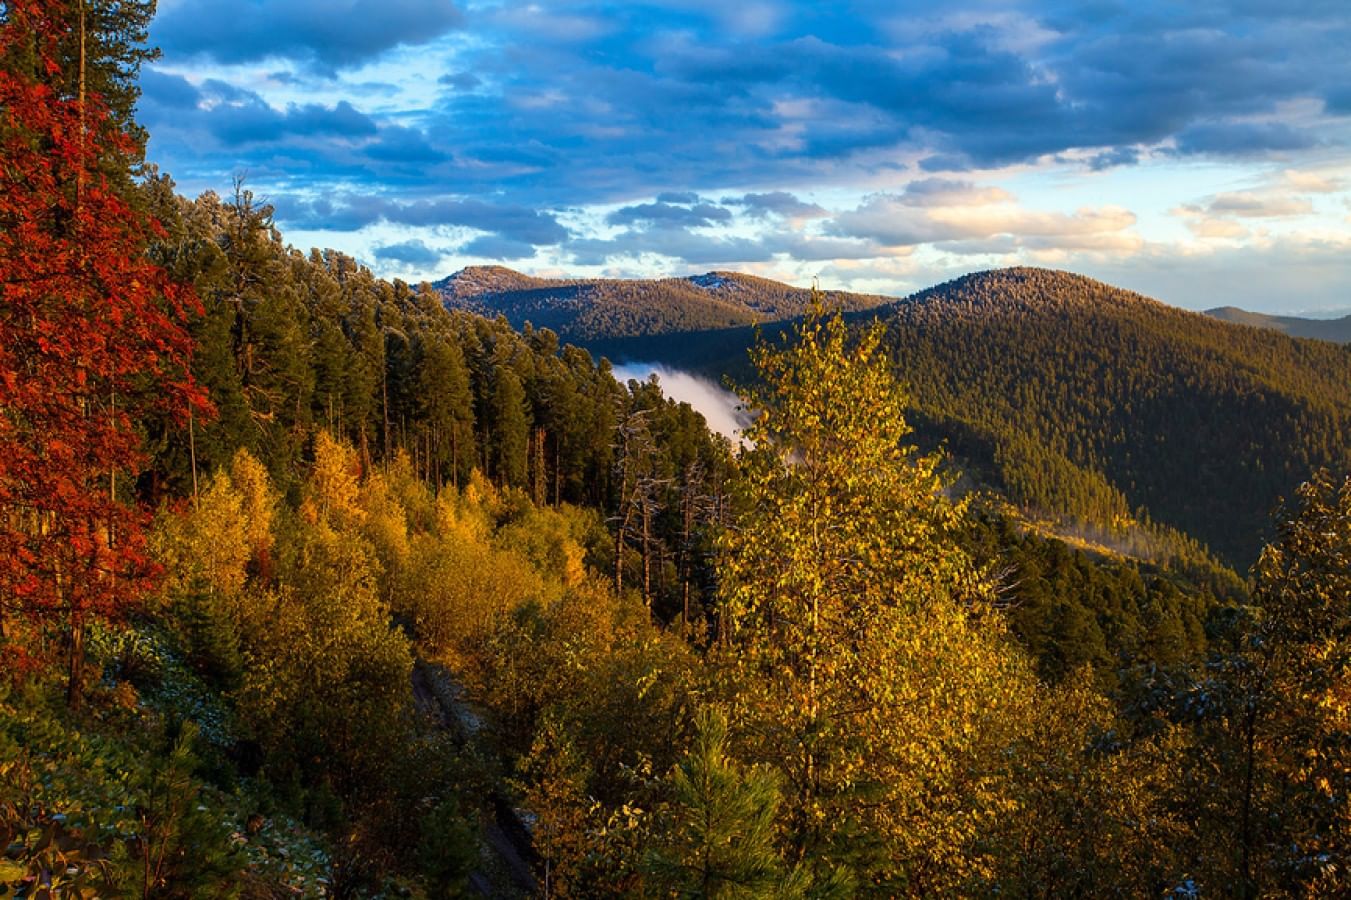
[(313, 586)]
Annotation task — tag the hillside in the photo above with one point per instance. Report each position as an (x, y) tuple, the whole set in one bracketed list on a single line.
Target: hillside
[(581, 310), (1104, 405), (1110, 411), (1336, 330)]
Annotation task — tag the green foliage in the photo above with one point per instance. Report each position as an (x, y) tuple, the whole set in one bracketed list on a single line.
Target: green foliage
[(448, 850), (88, 814), (718, 839)]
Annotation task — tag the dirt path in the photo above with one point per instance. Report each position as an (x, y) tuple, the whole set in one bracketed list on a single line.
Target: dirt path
[(505, 871)]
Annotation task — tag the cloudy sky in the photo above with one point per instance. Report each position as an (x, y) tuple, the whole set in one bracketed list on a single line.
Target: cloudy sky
[(1199, 151)]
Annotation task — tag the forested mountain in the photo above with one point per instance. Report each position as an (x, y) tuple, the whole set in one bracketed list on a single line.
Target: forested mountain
[(1106, 406), (580, 310), (1112, 412), (1335, 330)]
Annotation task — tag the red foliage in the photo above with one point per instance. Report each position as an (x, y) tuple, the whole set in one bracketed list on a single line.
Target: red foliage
[(91, 339)]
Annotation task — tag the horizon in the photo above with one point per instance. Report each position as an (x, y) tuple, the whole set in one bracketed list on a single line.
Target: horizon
[(1199, 156)]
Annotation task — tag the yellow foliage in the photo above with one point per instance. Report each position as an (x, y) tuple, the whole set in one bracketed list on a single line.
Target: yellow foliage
[(333, 484), (257, 498), (863, 673), (207, 546)]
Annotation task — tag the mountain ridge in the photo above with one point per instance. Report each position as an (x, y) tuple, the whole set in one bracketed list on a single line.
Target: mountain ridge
[(583, 309), (1337, 331)]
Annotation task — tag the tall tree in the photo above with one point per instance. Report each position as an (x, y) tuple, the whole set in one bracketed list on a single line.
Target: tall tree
[(447, 411), (862, 675), (91, 339), (511, 431), (1284, 732)]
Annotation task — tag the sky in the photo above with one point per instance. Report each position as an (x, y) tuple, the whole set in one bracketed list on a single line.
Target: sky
[(1198, 152)]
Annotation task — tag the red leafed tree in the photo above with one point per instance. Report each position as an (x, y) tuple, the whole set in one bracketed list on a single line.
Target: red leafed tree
[(91, 338)]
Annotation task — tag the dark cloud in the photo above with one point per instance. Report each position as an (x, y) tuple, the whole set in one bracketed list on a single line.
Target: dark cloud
[(168, 91), (461, 81), (664, 214), (779, 203), (1117, 156), (234, 116), (1243, 139), (492, 246), (674, 243), (404, 145), (414, 253), (318, 32), (253, 121), (352, 212)]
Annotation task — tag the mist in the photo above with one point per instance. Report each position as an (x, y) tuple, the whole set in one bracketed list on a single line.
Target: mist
[(719, 406)]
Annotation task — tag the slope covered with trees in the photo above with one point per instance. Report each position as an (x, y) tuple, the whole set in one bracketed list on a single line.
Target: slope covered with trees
[(1104, 406)]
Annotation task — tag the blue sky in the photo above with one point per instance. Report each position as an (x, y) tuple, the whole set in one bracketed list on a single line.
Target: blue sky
[(1199, 152)]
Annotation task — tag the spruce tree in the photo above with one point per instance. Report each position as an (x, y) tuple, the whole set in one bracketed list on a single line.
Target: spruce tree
[(718, 840)]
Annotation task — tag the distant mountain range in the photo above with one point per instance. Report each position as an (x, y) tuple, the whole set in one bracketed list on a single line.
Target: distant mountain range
[(1142, 425), (581, 310), (1336, 330)]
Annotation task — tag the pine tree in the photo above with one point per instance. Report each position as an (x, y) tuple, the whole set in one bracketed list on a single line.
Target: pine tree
[(447, 408), (511, 431), (718, 841)]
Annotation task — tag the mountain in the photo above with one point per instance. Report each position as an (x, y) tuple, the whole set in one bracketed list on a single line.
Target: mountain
[(1140, 425), (1110, 408), (1336, 330), (582, 310)]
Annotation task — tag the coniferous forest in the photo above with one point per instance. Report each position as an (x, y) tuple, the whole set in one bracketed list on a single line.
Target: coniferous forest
[(312, 584)]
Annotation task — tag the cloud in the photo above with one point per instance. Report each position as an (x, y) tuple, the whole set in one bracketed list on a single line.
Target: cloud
[(778, 203), (318, 32), (497, 247), (1252, 205), (1243, 139), (461, 81), (943, 192), (663, 214), (351, 212), (897, 220), (1312, 182), (1117, 156), (404, 145), (168, 91), (415, 253)]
